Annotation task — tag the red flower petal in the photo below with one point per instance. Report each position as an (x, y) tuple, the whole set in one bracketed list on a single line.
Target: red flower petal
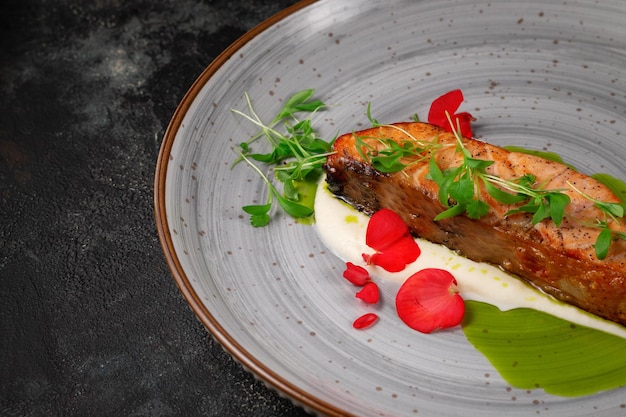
[(357, 275), (390, 237), (397, 256), (450, 103), (428, 300), (384, 228), (364, 321), (464, 121), (370, 293)]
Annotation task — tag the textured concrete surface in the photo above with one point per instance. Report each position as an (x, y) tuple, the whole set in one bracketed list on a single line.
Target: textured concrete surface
[(92, 323)]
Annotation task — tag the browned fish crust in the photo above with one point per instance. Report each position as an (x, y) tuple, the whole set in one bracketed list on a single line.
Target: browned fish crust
[(558, 260)]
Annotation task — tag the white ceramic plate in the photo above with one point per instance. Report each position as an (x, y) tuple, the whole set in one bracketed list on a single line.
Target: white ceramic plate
[(545, 76)]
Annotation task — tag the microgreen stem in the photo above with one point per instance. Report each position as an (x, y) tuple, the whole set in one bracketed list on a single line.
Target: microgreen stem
[(296, 155), (527, 197), (612, 212)]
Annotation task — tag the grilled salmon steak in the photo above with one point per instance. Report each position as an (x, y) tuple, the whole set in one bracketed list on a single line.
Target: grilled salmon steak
[(559, 260)]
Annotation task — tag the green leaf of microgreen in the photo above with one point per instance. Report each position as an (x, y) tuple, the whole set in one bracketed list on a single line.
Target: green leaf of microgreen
[(260, 220), (259, 213), (389, 155), (448, 184), (453, 211), (444, 194), (502, 196), (526, 181), (462, 190), (617, 186), (310, 106), (389, 159), (542, 211), (476, 209), (388, 164), (257, 208), (613, 209), (558, 202), (476, 164), (603, 243), (434, 172), (298, 102), (289, 191), (282, 175), (293, 208)]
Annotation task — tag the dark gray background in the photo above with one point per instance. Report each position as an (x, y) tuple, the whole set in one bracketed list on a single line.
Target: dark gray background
[(92, 323)]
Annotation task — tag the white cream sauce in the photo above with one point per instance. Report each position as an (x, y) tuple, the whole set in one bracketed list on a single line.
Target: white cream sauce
[(342, 228)]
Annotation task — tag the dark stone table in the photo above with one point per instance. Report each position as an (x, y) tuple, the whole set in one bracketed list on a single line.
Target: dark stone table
[(92, 323)]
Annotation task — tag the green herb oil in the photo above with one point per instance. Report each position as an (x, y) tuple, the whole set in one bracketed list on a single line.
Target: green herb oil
[(531, 349)]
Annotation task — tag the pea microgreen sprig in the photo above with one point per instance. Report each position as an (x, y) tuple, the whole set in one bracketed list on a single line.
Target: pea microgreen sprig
[(388, 155), (459, 189), (459, 185), (259, 213), (392, 156), (612, 212), (296, 157), (298, 154)]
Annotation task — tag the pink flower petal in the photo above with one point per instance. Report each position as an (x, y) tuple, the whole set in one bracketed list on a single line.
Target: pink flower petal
[(389, 235), (357, 275), (365, 320), (428, 300), (396, 257), (450, 103), (369, 293), (384, 228)]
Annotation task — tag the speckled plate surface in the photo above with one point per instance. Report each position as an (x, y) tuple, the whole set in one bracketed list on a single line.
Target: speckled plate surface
[(535, 74)]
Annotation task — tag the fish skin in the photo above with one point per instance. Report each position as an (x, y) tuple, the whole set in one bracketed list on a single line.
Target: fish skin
[(560, 261)]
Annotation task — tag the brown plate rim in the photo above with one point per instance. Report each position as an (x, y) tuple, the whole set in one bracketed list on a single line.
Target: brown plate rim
[(245, 358)]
